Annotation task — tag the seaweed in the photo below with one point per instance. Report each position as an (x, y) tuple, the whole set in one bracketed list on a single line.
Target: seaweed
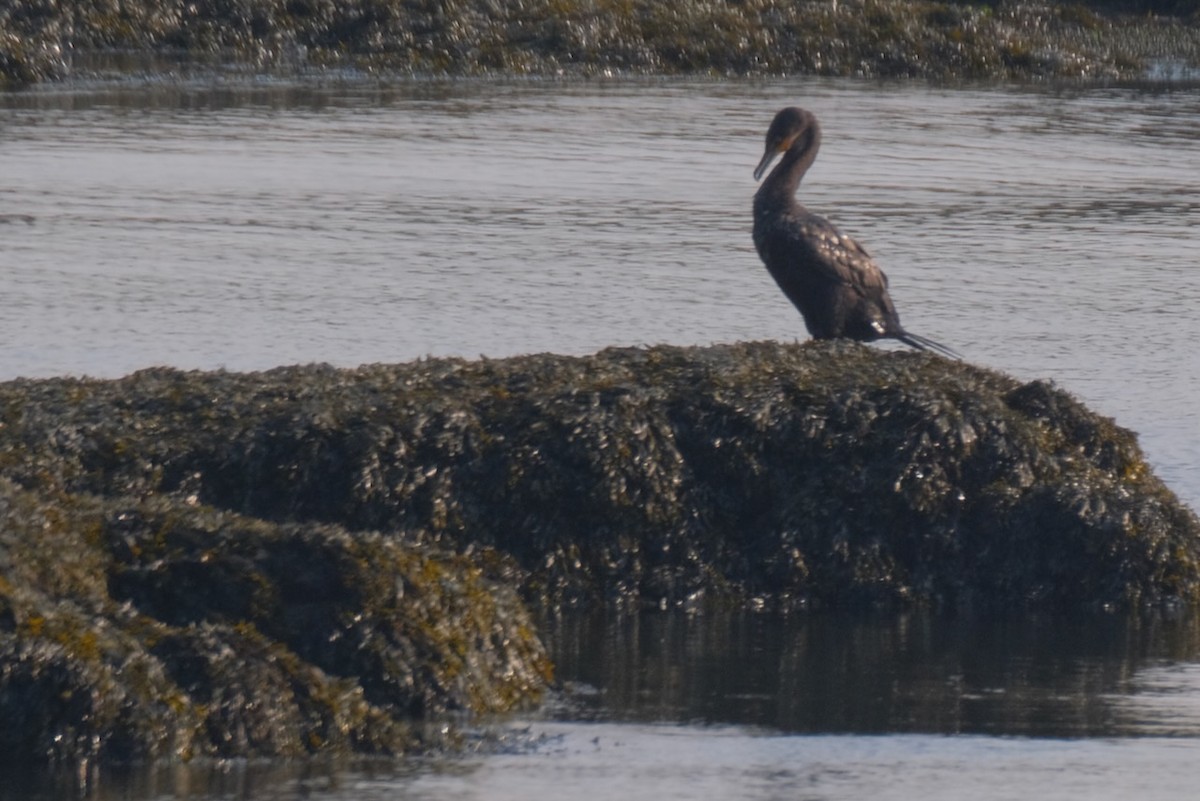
[(312, 559), (41, 41), (139, 629)]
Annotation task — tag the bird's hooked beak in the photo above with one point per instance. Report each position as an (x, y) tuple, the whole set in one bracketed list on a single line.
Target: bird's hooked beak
[(768, 157), (775, 145)]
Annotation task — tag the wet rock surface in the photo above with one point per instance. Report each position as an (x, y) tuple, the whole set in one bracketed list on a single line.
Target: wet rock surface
[(315, 559), (44, 40)]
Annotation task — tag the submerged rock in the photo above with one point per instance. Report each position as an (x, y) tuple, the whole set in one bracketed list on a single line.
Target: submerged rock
[(312, 559)]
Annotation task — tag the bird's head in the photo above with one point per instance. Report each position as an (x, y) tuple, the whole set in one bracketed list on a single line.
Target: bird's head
[(791, 127)]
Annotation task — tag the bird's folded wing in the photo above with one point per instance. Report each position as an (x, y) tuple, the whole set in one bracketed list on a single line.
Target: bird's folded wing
[(838, 257)]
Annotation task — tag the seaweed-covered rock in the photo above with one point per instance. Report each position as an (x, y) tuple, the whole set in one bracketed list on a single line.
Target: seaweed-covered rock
[(767, 473), (44, 40), (142, 629), (313, 559)]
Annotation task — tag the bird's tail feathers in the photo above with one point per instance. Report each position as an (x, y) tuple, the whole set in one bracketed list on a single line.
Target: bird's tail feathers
[(923, 343)]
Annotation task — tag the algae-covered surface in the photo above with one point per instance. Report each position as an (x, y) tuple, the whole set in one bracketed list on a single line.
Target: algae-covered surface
[(140, 628), (42, 40), (313, 559)]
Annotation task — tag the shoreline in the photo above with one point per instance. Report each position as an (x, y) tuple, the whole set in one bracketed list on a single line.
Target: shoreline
[(872, 39)]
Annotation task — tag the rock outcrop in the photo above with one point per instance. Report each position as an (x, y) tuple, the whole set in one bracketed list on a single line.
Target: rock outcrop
[(318, 559)]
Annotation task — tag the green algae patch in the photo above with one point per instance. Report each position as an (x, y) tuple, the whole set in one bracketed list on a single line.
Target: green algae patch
[(42, 40), (312, 559)]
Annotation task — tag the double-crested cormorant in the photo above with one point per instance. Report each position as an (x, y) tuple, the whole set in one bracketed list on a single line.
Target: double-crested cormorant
[(828, 276)]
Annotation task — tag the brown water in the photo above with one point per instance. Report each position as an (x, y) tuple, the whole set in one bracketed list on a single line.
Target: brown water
[(1050, 234)]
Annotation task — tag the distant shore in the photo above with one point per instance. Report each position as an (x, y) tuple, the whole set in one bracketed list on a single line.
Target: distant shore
[(588, 38)]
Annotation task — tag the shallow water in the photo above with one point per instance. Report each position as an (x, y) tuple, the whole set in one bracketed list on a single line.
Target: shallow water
[(718, 706), (636, 762), (659, 762), (1050, 234)]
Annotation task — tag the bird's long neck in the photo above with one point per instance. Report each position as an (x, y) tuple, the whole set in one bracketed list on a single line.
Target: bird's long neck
[(784, 180)]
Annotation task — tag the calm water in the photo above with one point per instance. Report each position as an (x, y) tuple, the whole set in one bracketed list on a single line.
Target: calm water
[(667, 705), (1050, 234)]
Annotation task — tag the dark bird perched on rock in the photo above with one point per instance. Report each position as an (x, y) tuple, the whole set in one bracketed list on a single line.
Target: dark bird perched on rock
[(828, 276)]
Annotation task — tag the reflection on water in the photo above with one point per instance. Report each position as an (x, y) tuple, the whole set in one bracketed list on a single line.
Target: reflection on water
[(1163, 700), (842, 674), (719, 706)]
